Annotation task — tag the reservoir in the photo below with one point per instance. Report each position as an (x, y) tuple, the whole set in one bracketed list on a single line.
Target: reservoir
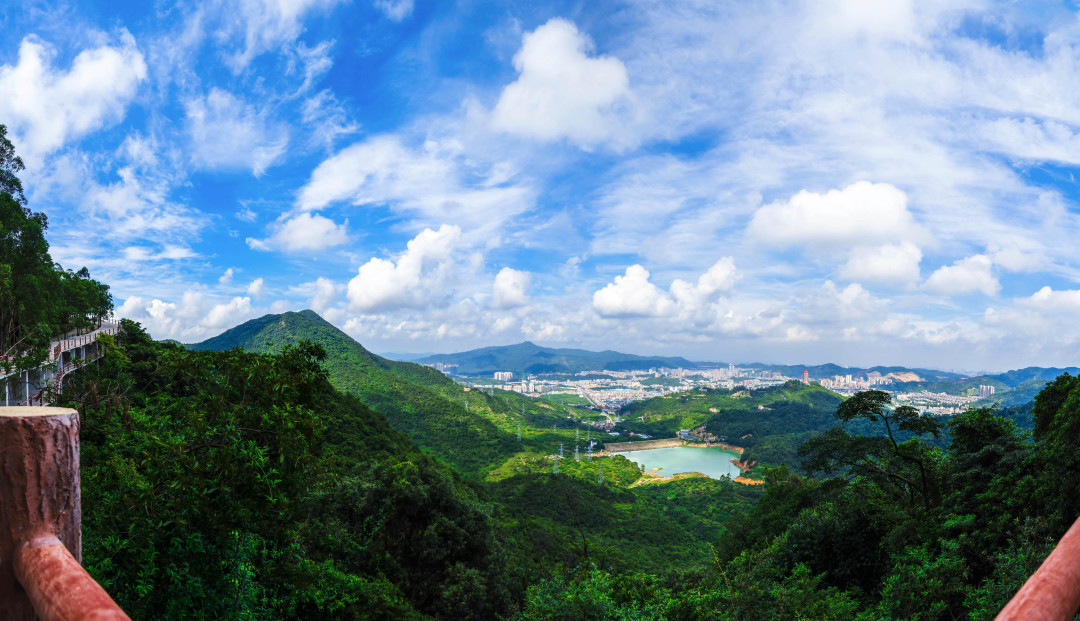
[(712, 462)]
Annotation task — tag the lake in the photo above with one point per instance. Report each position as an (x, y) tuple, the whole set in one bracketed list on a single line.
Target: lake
[(712, 462)]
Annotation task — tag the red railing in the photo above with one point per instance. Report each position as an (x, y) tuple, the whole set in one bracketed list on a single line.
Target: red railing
[(1053, 591), (41, 521)]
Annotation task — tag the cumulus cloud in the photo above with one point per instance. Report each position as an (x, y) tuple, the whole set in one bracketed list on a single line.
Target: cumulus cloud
[(46, 107), (195, 317), (227, 277), (1049, 300), (720, 277), (966, 275), (227, 133), (428, 182), (508, 290), (395, 10), (326, 295), (861, 213), (420, 276), (256, 289), (888, 263), (563, 92), (303, 232), (632, 295)]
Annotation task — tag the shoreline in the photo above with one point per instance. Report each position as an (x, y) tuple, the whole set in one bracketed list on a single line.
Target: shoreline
[(645, 445)]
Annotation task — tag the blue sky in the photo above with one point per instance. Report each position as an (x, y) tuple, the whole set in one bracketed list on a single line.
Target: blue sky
[(887, 182)]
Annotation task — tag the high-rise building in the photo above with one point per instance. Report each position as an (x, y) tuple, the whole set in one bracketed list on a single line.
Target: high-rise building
[(805, 376), (985, 391), (504, 376)]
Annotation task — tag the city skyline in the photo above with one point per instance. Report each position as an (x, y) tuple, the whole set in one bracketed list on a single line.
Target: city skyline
[(887, 183)]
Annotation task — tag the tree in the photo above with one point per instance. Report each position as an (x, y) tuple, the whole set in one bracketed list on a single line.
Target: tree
[(38, 298), (836, 449), (10, 164)]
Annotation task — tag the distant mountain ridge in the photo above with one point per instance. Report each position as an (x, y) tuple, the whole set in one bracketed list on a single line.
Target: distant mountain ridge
[(531, 358)]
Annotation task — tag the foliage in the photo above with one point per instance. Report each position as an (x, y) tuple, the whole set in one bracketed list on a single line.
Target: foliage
[(413, 398), (39, 300), (241, 485)]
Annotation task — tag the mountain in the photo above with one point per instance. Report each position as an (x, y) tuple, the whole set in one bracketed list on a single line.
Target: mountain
[(527, 357), (418, 401), (827, 371), (1016, 377)]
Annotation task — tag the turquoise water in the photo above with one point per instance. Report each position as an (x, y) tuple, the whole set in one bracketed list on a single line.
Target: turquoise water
[(712, 462)]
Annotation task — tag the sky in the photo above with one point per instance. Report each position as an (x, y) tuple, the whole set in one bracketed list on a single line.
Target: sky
[(858, 182)]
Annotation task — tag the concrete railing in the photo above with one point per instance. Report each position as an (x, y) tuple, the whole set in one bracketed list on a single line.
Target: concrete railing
[(41, 576), (1053, 591)]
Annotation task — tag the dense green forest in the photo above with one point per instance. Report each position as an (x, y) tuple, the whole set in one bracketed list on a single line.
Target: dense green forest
[(242, 485), (270, 476), (39, 299)]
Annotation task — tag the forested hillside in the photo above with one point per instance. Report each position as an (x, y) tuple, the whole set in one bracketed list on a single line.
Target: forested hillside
[(417, 400)]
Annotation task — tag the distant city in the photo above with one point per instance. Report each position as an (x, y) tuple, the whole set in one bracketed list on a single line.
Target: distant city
[(608, 391)]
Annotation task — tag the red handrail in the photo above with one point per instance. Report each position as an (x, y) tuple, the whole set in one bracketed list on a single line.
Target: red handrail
[(1053, 591)]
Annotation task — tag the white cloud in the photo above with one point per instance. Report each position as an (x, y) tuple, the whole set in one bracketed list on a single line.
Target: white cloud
[(326, 295), (1048, 300), (562, 92), (1030, 139), (720, 277), (632, 295), (263, 25), (428, 183), (246, 214), (195, 317), (888, 263), (420, 276), (227, 277), (508, 290), (46, 108), (861, 213), (256, 289), (303, 232), (222, 315), (966, 275), (227, 133), (395, 10), (327, 118)]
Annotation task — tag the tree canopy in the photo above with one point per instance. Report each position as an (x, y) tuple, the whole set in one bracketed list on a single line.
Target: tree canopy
[(39, 299)]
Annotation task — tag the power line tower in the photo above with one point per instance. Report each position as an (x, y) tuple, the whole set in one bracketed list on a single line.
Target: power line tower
[(557, 460), (600, 477), (576, 458)]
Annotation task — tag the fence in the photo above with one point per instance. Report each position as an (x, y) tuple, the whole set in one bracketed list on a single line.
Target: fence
[(41, 576)]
